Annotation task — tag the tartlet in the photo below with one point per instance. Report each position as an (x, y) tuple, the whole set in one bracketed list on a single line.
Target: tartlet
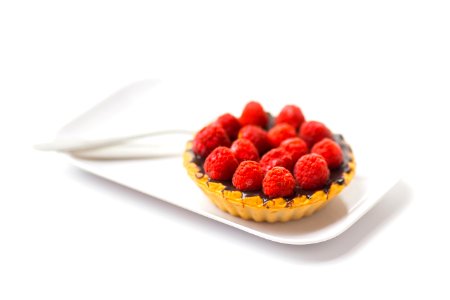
[(255, 205)]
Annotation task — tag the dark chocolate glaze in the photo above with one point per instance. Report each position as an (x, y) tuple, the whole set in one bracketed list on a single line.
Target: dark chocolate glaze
[(336, 175)]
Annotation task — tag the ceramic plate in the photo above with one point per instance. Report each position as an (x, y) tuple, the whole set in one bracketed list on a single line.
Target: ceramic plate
[(166, 178)]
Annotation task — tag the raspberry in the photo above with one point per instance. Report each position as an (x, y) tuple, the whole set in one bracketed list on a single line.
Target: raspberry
[(276, 158), (231, 125), (311, 171), (292, 115), (279, 133), (312, 132), (296, 147), (220, 164), (254, 114), (257, 136), (278, 182), (248, 176), (209, 138), (330, 150), (243, 149)]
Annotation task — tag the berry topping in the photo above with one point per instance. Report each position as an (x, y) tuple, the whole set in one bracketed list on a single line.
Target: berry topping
[(312, 132), (221, 164), (248, 176), (330, 150), (279, 133), (243, 149), (254, 114), (231, 125), (292, 115), (296, 147), (311, 171), (257, 136), (276, 158), (278, 182), (209, 138)]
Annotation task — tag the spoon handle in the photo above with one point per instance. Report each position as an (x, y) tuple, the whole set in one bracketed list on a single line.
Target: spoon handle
[(84, 145)]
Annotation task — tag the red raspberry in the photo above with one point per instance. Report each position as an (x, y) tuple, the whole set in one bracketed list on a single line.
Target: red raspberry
[(243, 149), (221, 164), (312, 132), (248, 176), (311, 171), (279, 133), (231, 125), (331, 151), (276, 158), (296, 147), (254, 114), (257, 136), (278, 182), (292, 115), (209, 138)]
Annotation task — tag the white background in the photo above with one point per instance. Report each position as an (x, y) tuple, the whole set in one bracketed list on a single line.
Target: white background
[(381, 69)]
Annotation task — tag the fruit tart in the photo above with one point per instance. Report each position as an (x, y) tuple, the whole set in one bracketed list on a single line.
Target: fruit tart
[(266, 168)]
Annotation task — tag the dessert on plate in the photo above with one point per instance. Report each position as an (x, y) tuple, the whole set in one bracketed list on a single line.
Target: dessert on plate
[(266, 168)]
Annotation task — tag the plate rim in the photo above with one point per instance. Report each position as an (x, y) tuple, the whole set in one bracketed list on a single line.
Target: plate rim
[(371, 199)]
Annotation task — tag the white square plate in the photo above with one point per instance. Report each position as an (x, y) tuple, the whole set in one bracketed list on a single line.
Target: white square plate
[(166, 178)]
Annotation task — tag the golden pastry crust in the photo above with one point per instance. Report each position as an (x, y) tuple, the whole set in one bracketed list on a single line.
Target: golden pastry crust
[(253, 206)]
